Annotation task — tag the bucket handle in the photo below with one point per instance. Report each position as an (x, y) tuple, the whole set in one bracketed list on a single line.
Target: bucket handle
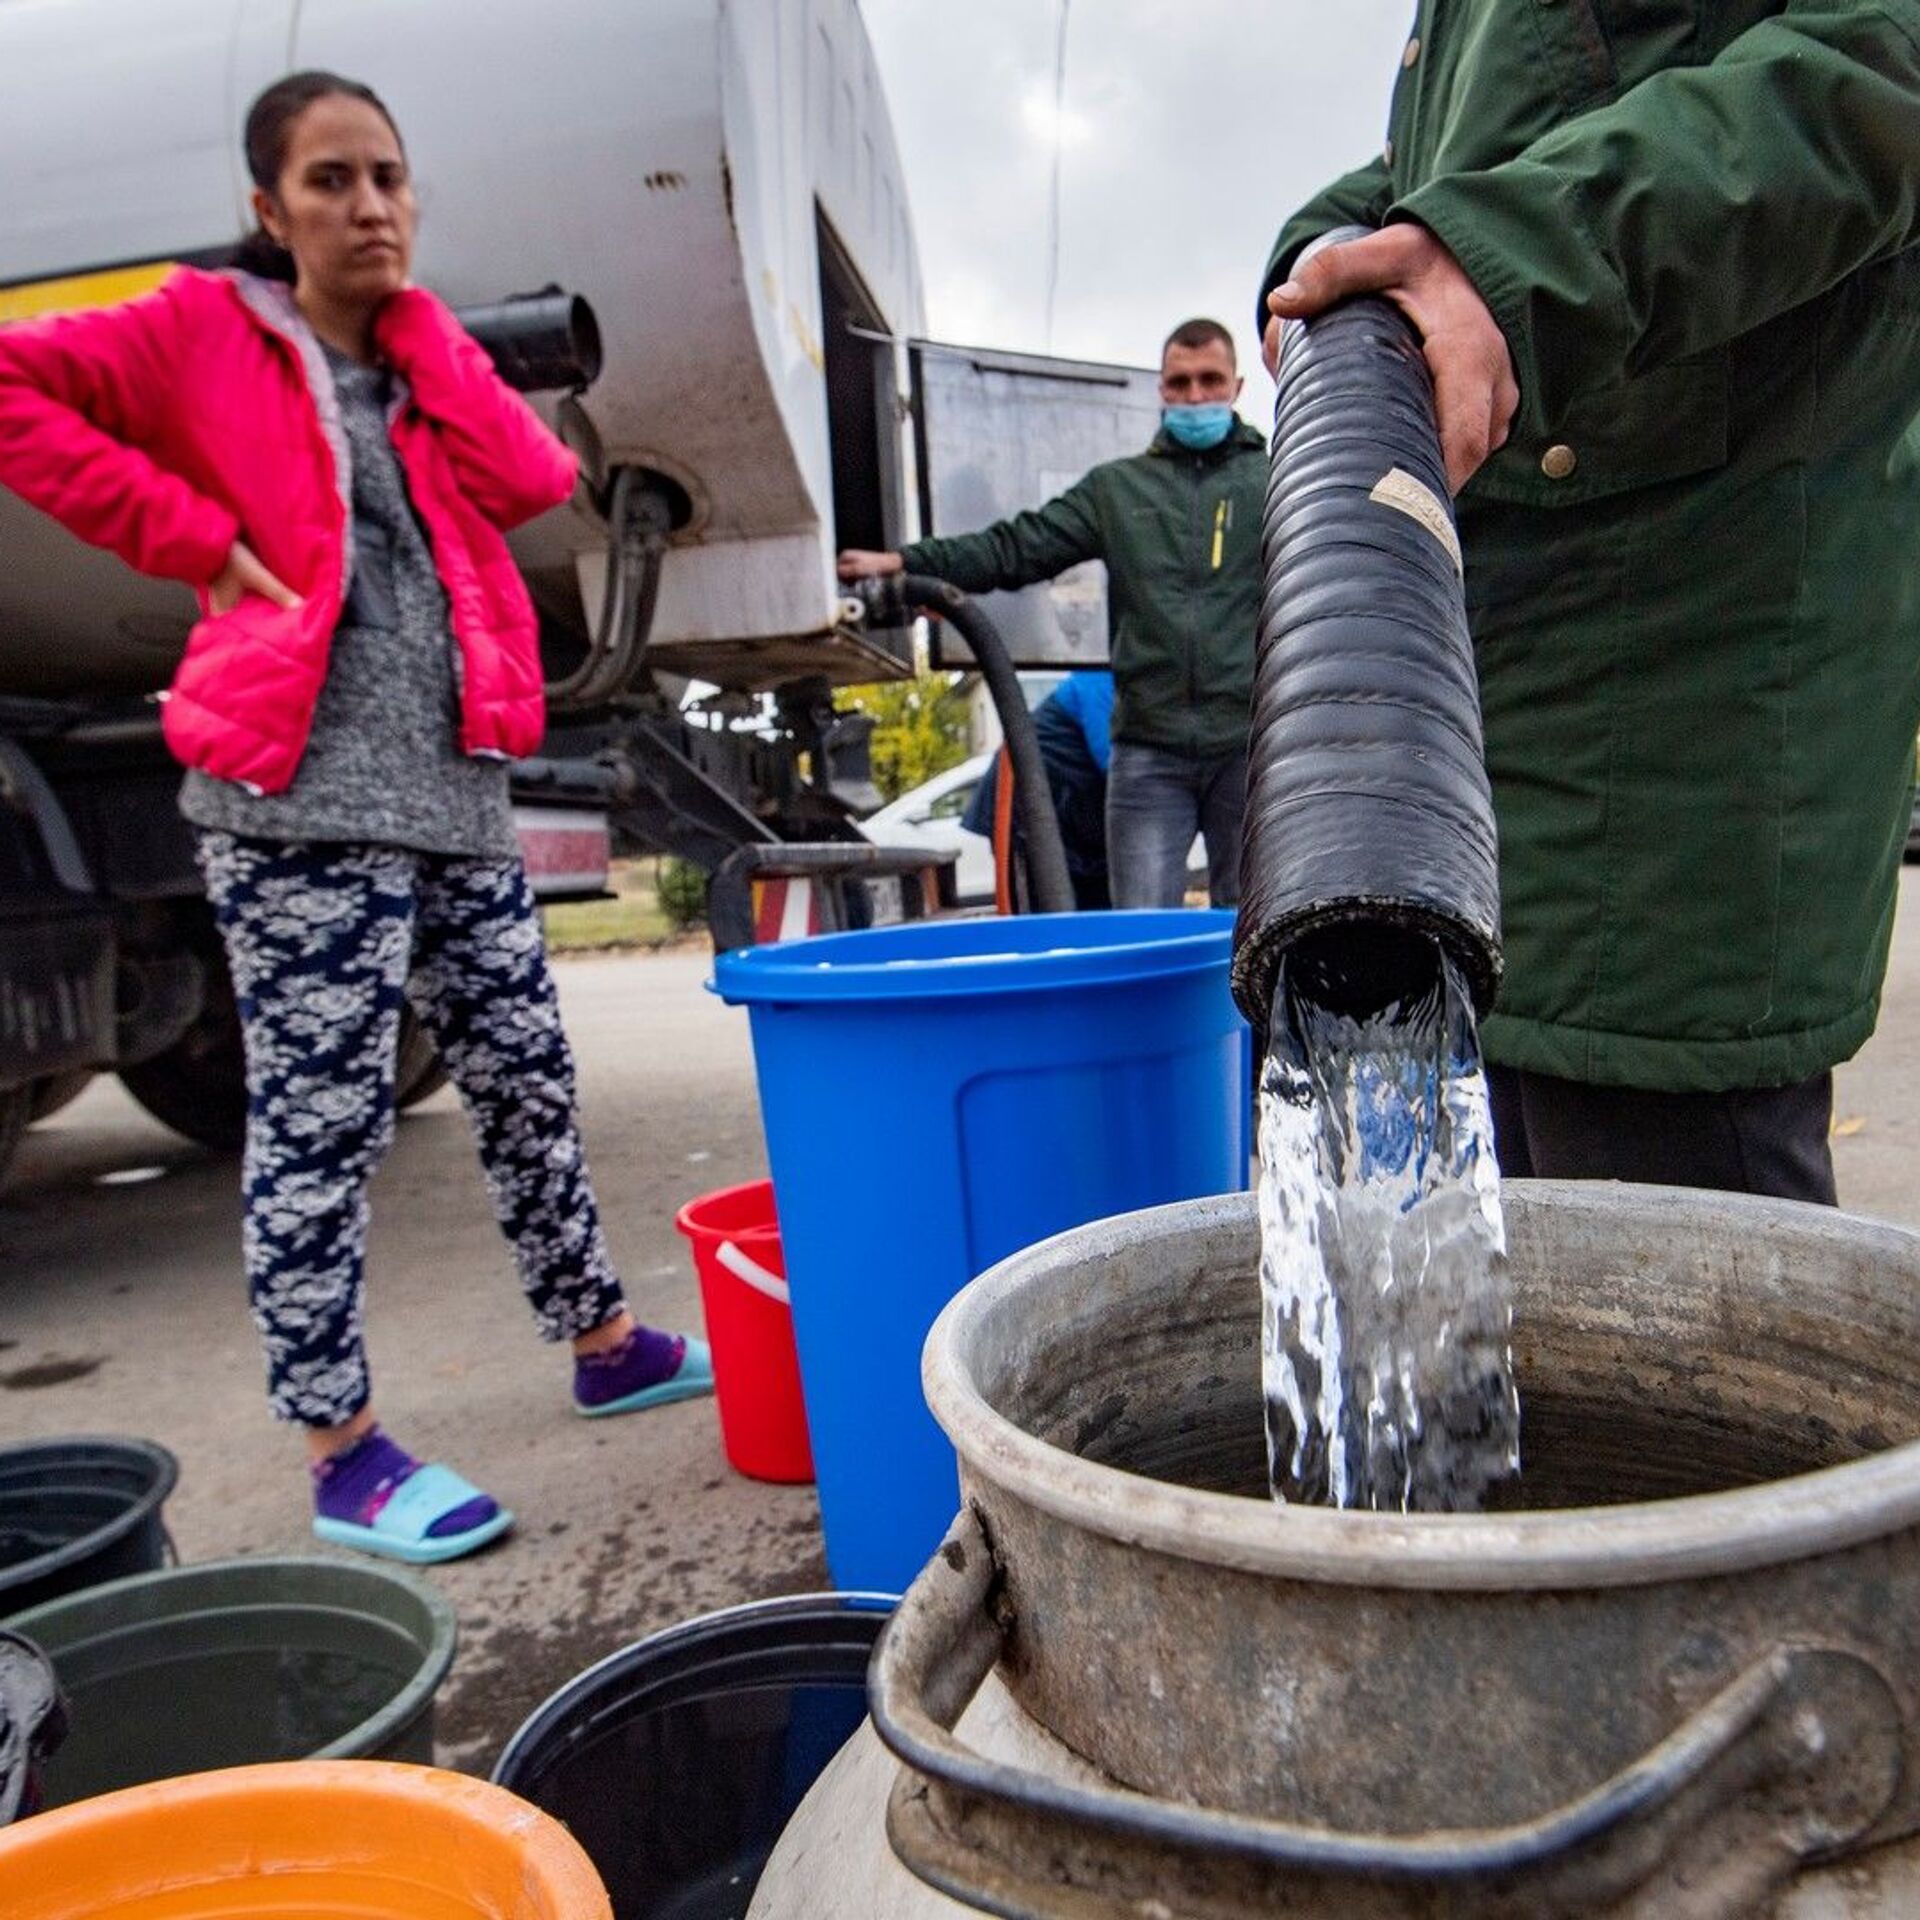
[(745, 1268), (1796, 1758)]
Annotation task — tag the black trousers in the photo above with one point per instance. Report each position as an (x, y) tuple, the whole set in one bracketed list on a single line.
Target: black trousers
[(1769, 1140)]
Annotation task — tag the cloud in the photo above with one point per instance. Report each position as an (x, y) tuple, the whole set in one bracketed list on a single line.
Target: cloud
[(1194, 127)]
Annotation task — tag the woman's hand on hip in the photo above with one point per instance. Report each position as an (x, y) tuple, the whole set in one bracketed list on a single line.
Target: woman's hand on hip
[(245, 573)]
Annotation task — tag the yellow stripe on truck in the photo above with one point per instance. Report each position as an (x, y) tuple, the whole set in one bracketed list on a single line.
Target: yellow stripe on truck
[(33, 298)]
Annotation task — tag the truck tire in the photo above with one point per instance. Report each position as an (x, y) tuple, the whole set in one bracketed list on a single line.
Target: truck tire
[(417, 1068), (59, 1090), (198, 1085), (16, 1114)]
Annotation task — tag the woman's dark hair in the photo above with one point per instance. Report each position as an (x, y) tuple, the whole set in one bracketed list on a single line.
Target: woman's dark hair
[(269, 134)]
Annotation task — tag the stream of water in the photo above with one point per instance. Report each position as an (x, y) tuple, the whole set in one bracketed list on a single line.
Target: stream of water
[(1386, 1323)]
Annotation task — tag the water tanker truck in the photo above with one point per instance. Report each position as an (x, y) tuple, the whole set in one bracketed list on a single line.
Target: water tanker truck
[(683, 226)]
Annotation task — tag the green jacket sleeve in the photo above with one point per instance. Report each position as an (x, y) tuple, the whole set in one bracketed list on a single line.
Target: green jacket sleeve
[(1015, 553), (1697, 206), (1357, 199)]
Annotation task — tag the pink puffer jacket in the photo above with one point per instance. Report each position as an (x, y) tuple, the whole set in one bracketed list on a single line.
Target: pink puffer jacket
[(164, 428)]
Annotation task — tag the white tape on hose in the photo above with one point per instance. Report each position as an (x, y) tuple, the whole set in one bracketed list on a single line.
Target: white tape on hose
[(744, 1267)]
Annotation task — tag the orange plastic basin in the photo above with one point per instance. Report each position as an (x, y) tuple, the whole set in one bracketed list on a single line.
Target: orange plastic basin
[(301, 1840)]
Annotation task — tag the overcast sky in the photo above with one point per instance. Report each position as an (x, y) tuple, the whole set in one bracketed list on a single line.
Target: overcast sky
[(1191, 129)]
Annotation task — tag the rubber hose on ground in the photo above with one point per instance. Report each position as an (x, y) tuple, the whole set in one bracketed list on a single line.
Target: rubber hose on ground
[(1369, 826), (1048, 881)]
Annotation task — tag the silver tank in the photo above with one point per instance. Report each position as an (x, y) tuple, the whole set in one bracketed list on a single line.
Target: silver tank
[(1676, 1675), (692, 167)]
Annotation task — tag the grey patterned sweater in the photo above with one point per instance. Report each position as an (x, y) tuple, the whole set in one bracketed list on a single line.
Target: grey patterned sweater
[(383, 762)]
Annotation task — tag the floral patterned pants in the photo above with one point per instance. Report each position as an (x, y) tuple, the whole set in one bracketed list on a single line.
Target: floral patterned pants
[(323, 942)]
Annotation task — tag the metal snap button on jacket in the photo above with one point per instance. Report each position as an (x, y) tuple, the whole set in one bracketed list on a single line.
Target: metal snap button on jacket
[(1558, 461)]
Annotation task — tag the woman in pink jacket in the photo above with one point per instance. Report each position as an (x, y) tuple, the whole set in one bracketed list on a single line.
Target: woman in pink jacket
[(320, 451)]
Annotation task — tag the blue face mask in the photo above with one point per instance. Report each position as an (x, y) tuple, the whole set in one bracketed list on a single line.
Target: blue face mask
[(1198, 427)]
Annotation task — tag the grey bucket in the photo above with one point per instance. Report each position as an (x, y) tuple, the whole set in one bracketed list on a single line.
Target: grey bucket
[(241, 1661), (1681, 1676)]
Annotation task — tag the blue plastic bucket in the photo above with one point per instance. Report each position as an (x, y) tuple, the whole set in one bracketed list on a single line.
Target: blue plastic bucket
[(939, 1095)]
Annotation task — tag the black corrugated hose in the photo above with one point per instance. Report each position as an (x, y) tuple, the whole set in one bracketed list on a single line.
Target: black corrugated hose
[(1049, 883), (1369, 827)]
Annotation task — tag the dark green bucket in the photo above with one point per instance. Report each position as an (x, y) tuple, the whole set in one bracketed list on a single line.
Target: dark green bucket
[(240, 1661)]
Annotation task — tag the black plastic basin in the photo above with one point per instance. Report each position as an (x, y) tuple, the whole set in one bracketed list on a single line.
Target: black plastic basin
[(677, 1762), (77, 1513)]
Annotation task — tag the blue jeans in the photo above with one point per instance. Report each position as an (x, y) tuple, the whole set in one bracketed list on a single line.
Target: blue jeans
[(1156, 802)]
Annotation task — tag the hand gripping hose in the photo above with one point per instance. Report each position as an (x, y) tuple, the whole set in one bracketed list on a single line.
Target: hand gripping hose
[(1369, 828)]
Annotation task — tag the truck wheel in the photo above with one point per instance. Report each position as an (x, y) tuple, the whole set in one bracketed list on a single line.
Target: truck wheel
[(59, 1090), (417, 1068), (198, 1085), (16, 1114)]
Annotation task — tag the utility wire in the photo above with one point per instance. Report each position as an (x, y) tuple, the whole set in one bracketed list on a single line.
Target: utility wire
[(1059, 140)]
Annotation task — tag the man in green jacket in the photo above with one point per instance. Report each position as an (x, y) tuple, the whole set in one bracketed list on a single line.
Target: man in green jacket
[(1663, 256), (1179, 529)]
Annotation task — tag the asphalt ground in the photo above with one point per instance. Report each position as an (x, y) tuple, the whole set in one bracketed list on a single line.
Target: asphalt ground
[(122, 1310)]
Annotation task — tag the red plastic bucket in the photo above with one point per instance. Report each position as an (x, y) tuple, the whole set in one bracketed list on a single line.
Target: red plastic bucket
[(735, 1235)]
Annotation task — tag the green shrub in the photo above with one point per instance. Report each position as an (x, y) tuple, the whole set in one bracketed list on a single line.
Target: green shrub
[(683, 893), (920, 727)]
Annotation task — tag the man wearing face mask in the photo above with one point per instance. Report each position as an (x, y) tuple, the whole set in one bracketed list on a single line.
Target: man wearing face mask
[(1178, 527)]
